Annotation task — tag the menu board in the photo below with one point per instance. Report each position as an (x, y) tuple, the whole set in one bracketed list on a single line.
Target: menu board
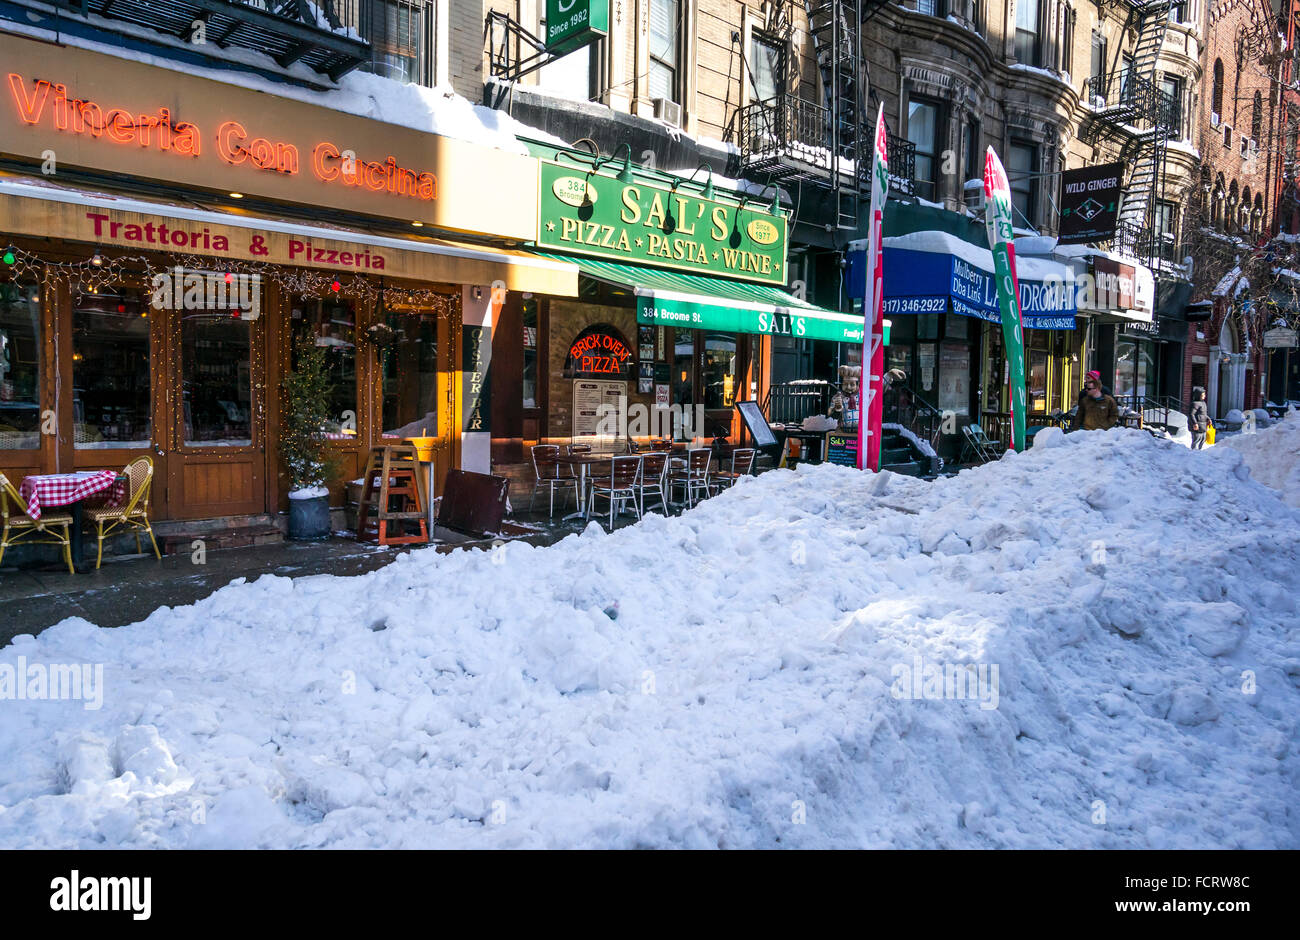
[(757, 424), (589, 395), (842, 448)]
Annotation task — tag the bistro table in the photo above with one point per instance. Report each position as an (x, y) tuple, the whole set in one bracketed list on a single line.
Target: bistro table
[(70, 489), (581, 462)]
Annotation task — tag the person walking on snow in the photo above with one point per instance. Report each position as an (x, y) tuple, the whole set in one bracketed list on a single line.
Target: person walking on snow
[(1198, 418), (1097, 411)]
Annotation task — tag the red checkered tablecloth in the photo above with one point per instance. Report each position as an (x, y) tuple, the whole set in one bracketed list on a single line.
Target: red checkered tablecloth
[(62, 489)]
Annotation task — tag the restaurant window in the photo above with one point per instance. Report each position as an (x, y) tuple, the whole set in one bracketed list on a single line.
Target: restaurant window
[(1037, 380), (111, 401), (216, 382), (409, 370), (332, 326), (766, 68), (1022, 167), (954, 378), (529, 382), (20, 366), (719, 370), (1028, 43), (683, 372), (665, 48), (923, 132)]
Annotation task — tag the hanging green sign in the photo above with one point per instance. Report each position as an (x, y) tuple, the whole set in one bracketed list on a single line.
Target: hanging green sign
[(643, 223), (732, 317), (571, 24)]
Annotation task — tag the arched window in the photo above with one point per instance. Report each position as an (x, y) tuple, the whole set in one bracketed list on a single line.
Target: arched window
[(1244, 221), (1216, 94), (1216, 203), (1257, 118)]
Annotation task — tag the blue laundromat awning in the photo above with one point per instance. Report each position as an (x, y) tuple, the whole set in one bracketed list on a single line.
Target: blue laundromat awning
[(933, 272)]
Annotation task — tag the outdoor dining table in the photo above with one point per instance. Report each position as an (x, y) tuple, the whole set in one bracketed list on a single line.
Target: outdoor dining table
[(580, 463), (46, 490)]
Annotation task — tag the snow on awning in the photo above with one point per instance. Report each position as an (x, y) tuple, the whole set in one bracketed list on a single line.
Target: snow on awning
[(937, 272)]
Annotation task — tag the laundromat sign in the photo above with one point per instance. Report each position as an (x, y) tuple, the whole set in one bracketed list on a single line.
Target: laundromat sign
[(642, 223)]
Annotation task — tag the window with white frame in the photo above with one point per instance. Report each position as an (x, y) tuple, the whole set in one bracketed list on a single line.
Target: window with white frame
[(665, 49), (1028, 32)]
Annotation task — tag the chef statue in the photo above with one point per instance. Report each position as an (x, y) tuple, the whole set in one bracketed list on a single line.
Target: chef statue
[(846, 405)]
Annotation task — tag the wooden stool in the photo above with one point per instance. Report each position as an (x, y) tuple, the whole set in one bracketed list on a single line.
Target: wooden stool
[(392, 494)]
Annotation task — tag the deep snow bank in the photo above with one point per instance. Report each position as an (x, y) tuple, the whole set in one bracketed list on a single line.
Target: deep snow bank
[(1121, 586), (1273, 455)]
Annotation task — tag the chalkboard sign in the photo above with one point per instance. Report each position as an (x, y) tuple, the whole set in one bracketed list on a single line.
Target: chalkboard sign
[(757, 424), (842, 448)]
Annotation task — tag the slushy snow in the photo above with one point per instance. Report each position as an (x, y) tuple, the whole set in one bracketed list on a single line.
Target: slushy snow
[(730, 678), (1273, 455)]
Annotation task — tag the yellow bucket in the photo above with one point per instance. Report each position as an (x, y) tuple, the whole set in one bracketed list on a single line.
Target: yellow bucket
[(423, 448)]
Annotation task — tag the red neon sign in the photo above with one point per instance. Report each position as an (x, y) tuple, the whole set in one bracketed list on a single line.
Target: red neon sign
[(597, 352)]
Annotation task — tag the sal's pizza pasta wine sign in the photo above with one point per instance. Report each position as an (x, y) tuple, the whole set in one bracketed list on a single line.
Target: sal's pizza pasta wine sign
[(644, 223)]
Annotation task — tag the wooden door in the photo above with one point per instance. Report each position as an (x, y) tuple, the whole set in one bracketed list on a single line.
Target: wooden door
[(214, 383)]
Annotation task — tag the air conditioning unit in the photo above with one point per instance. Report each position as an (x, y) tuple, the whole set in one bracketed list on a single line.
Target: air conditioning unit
[(973, 191), (668, 111), (1215, 120)]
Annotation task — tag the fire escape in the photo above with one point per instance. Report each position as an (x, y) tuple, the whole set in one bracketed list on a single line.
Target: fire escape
[(789, 138), (1133, 114)]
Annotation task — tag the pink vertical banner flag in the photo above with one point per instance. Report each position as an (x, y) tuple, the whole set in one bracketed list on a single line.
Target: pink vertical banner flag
[(873, 333)]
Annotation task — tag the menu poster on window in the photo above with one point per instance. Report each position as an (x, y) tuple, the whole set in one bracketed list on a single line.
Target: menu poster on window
[(925, 359), (661, 396), (954, 378), (592, 401), (842, 448)]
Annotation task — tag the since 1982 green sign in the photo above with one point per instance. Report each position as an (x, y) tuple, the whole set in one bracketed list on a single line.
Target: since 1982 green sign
[(571, 24), (642, 223)]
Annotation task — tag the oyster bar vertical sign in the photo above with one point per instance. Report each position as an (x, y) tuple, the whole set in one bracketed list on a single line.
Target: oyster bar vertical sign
[(571, 24), (640, 222)]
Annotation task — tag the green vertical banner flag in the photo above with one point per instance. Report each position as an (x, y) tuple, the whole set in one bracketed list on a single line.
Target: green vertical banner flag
[(873, 340), (997, 220)]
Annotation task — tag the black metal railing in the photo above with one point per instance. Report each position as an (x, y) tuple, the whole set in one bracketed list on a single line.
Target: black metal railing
[(791, 402), (901, 153), (902, 406), (323, 34), (1128, 98)]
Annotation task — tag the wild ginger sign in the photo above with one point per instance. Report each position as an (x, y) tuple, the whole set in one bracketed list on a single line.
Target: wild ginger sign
[(645, 223)]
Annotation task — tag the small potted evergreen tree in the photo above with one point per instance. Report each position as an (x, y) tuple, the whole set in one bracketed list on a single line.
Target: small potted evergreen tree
[(303, 444)]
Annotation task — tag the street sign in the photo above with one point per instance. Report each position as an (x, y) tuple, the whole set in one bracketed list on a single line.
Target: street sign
[(1281, 338)]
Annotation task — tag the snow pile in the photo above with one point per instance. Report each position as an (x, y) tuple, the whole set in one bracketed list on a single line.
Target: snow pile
[(757, 672), (1273, 456)]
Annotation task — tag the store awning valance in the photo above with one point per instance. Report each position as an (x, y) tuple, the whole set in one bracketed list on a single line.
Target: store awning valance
[(707, 303), (934, 272), (46, 210)]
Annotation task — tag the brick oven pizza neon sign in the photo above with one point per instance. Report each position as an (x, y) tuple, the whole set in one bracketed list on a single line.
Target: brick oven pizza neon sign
[(598, 351), (42, 100)]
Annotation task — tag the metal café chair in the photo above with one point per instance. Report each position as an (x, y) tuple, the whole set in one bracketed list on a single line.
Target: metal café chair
[(619, 487), (694, 477), (550, 473), (742, 463), (654, 478)]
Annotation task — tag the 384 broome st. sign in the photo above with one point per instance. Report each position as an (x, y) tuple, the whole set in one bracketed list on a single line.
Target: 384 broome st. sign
[(83, 110), (645, 223)]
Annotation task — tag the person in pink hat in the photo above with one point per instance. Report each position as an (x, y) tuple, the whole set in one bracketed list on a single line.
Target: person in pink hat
[(1097, 410)]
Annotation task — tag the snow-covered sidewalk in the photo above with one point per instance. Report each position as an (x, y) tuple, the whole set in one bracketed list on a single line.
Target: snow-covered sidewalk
[(740, 676)]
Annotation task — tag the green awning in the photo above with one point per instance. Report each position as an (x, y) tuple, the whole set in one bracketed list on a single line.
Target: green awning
[(709, 303)]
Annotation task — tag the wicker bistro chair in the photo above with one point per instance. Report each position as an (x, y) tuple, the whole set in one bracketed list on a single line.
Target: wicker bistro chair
[(654, 478), (742, 463), (133, 514), (694, 477), (620, 486), (53, 528), (549, 472)]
